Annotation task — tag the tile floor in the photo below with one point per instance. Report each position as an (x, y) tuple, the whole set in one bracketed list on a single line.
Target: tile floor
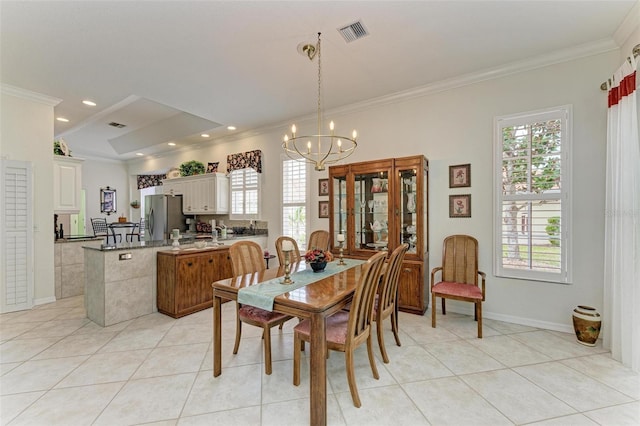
[(57, 367)]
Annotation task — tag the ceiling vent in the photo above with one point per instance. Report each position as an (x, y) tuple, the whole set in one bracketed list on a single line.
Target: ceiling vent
[(118, 125), (353, 32)]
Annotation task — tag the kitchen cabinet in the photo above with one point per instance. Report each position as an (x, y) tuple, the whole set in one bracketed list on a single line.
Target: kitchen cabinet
[(379, 205), (67, 184), (185, 276), (201, 194)]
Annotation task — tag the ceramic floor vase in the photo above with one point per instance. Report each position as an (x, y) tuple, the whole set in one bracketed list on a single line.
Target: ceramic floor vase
[(586, 323)]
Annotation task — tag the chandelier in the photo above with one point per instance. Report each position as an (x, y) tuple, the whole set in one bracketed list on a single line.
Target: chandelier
[(319, 149)]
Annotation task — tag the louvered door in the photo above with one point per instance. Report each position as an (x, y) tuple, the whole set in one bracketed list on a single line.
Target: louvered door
[(16, 228)]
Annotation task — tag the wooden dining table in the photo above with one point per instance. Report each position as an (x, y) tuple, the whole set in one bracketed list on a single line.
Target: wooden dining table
[(315, 301)]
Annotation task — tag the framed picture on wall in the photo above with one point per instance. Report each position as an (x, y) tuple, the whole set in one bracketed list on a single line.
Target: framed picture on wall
[(323, 186), (460, 176), (460, 205), (323, 209)]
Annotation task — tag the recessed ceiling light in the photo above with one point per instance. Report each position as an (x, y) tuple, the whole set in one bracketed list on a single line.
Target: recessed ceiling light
[(171, 144), (231, 127), (205, 135), (64, 120), (139, 154), (88, 102)]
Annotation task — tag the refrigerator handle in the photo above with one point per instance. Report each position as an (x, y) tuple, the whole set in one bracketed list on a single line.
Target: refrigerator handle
[(150, 222)]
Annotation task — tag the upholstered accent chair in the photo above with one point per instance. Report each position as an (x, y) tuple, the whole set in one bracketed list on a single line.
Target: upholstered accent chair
[(459, 276)]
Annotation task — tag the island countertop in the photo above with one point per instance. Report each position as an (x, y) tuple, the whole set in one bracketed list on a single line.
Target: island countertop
[(188, 240)]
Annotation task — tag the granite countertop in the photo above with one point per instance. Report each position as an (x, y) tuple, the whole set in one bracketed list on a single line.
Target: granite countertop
[(188, 239), (77, 239)]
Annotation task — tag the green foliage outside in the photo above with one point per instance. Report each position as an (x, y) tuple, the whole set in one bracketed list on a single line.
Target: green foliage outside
[(542, 255), (553, 230)]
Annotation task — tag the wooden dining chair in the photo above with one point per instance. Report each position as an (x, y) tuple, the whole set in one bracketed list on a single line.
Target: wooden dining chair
[(459, 276), (100, 229), (385, 305), (294, 256), (246, 258), (319, 240), (347, 330), (137, 231)]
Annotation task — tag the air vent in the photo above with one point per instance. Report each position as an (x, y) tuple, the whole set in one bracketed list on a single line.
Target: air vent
[(118, 125), (353, 32)]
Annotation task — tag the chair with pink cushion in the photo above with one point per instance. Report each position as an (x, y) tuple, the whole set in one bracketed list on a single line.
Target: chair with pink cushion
[(459, 276), (247, 257)]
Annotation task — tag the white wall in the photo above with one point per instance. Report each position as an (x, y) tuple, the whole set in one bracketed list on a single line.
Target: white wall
[(98, 174), (455, 127), (26, 134)]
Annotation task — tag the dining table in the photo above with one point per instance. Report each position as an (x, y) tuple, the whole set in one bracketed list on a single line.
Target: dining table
[(324, 295), (121, 225)]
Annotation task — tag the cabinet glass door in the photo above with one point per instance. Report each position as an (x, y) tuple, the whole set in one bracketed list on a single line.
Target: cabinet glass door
[(371, 210), (340, 207), (408, 209)]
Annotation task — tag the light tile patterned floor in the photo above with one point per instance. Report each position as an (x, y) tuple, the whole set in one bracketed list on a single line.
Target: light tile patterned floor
[(59, 368)]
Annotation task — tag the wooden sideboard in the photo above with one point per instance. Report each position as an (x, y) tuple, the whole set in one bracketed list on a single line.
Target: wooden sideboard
[(185, 277)]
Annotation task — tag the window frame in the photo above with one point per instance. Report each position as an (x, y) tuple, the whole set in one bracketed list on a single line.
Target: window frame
[(245, 189), (301, 243), (565, 274)]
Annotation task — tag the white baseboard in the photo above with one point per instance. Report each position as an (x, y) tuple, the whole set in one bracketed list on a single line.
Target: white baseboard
[(44, 300), (530, 322)]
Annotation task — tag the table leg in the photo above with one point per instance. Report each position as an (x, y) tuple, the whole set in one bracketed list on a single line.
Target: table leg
[(318, 370), (217, 336)]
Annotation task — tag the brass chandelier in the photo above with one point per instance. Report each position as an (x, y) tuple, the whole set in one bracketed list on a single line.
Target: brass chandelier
[(319, 149)]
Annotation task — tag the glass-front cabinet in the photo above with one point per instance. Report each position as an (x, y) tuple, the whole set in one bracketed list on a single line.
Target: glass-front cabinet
[(378, 205)]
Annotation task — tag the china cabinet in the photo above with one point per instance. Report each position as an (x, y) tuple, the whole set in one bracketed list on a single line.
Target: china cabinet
[(378, 205)]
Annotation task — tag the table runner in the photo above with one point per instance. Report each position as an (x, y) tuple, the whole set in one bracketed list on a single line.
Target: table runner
[(262, 295)]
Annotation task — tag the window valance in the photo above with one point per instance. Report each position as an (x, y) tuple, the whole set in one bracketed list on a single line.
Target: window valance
[(146, 181), (244, 160)]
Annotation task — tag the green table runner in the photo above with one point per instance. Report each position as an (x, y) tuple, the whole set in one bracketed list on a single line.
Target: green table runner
[(262, 295)]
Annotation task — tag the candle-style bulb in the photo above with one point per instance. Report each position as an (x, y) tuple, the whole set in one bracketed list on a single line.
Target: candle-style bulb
[(286, 138), (293, 130), (355, 135), (331, 126), (308, 147)]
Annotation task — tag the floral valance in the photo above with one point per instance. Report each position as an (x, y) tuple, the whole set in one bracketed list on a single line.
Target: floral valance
[(146, 181), (245, 160)]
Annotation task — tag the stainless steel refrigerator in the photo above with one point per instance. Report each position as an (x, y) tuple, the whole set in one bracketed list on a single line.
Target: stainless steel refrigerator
[(162, 213)]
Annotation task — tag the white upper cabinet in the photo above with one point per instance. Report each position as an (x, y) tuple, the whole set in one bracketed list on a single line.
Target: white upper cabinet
[(67, 184), (201, 194)]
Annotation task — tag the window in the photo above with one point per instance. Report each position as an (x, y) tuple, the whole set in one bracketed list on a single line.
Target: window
[(245, 194), (532, 171), (294, 201)]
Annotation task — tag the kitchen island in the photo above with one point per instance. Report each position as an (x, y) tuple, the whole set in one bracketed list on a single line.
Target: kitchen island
[(121, 280)]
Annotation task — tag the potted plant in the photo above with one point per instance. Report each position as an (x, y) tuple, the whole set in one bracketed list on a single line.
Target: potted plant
[(318, 259), (135, 204), (190, 168)]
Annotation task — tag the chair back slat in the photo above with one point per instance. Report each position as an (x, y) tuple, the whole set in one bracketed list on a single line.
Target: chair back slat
[(389, 288), (460, 259), (246, 257), (319, 240), (361, 310), (294, 255)]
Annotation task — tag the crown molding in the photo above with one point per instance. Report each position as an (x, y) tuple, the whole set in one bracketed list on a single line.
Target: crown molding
[(630, 24), (18, 92)]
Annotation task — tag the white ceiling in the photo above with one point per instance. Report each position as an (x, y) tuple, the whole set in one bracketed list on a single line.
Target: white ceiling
[(172, 70)]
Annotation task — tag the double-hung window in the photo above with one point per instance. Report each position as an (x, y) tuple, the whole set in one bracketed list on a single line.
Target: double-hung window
[(533, 198), (294, 201), (245, 194)]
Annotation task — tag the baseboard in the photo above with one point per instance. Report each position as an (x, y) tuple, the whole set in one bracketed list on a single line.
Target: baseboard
[(44, 300), (530, 322)]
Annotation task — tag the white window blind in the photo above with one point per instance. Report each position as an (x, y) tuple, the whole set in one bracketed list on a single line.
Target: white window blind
[(532, 170), (245, 191), (294, 201)]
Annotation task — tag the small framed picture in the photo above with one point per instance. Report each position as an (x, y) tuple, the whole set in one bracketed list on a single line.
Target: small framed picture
[(323, 209), (323, 186), (212, 167), (460, 176), (460, 205)]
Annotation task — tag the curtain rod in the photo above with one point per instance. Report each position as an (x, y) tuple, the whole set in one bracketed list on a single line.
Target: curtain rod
[(635, 52)]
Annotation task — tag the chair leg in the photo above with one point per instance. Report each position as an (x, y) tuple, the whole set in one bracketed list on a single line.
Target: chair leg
[(444, 309), (394, 327), (351, 378), (433, 310), (479, 311), (297, 347), (372, 359), (380, 334), (267, 351), (238, 333), (475, 312)]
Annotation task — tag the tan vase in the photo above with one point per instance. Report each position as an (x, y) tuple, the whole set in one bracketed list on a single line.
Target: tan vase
[(586, 323)]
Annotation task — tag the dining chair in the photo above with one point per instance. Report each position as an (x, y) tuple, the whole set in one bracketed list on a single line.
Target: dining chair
[(137, 231), (100, 229), (319, 239), (294, 256), (347, 330), (247, 257), (459, 276), (385, 305)]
